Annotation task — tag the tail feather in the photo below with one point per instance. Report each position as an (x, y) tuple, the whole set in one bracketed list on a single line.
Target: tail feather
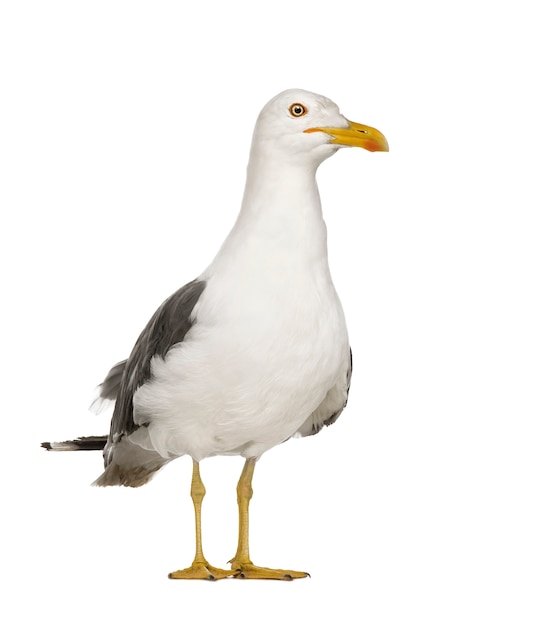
[(83, 443), (130, 465)]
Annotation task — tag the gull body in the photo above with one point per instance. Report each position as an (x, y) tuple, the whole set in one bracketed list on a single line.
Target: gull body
[(267, 353), (255, 350)]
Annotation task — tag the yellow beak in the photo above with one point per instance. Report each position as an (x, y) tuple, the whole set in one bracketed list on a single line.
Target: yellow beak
[(356, 135)]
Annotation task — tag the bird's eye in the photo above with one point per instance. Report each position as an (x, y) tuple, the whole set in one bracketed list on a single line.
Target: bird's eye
[(298, 110)]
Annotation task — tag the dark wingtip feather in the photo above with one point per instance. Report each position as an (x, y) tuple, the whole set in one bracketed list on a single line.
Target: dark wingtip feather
[(83, 443)]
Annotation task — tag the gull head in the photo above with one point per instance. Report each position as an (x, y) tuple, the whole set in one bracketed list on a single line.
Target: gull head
[(301, 126)]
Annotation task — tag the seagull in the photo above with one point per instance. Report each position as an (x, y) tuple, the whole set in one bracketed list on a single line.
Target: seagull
[(255, 350)]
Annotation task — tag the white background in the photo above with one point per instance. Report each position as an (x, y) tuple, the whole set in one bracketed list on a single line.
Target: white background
[(125, 130)]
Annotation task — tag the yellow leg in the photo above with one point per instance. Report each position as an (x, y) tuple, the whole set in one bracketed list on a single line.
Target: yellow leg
[(200, 568), (241, 564)]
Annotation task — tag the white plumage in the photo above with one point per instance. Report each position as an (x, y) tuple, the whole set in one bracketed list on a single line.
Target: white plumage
[(270, 339)]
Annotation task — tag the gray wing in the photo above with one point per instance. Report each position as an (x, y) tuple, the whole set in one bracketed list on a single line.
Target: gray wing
[(166, 328), (332, 406)]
